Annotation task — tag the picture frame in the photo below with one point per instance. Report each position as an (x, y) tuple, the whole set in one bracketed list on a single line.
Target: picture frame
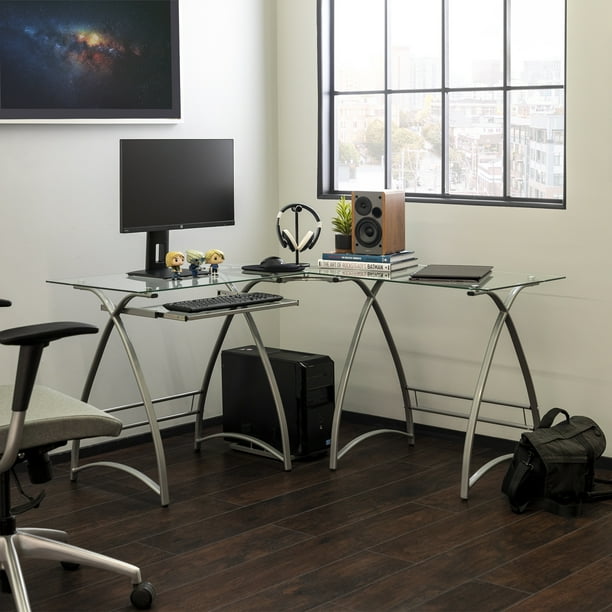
[(89, 60)]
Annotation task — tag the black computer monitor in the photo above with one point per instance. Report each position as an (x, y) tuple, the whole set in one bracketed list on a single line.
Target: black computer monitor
[(171, 184)]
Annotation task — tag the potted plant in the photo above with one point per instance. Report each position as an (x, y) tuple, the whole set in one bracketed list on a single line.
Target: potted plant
[(343, 225)]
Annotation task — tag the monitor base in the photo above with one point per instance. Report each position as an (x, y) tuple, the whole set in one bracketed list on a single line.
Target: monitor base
[(166, 273)]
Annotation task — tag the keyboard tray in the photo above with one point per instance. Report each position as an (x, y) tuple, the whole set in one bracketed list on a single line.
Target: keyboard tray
[(159, 312)]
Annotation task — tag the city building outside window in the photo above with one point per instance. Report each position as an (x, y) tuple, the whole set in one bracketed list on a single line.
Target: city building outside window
[(459, 101)]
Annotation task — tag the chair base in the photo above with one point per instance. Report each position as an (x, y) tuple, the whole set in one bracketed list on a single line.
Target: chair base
[(52, 545)]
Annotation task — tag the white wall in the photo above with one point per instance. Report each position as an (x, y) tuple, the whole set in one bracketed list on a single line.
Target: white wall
[(565, 326), (59, 192), (249, 72)]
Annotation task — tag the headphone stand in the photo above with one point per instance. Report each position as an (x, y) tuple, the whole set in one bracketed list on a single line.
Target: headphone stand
[(293, 241), (296, 227)]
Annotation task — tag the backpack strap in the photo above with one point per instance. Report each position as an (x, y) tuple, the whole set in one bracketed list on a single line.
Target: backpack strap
[(519, 474), (594, 495), (548, 419)]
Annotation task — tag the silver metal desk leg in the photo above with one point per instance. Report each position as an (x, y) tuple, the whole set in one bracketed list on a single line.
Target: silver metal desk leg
[(214, 355), (370, 302), (116, 323), (503, 319), (280, 411)]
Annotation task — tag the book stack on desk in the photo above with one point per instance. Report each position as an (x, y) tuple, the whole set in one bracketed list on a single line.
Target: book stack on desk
[(357, 261)]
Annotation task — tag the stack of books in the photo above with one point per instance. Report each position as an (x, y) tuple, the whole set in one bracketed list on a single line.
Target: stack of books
[(357, 261)]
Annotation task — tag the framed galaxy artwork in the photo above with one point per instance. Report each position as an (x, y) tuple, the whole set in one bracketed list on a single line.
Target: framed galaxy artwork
[(89, 60)]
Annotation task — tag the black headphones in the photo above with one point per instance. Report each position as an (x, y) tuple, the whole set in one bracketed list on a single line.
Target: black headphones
[(286, 237)]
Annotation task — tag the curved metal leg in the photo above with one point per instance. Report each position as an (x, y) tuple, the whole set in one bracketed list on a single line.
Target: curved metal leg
[(503, 319), (370, 302), (214, 355), (399, 369), (93, 369), (280, 411), (116, 323)]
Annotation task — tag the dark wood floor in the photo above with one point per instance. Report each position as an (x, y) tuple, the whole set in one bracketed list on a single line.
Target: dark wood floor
[(386, 531)]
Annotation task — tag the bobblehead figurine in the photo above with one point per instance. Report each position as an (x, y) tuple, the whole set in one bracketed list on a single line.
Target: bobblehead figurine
[(174, 260), (214, 257), (195, 259)]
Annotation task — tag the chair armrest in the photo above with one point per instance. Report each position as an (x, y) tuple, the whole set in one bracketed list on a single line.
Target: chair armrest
[(43, 333), (32, 340)]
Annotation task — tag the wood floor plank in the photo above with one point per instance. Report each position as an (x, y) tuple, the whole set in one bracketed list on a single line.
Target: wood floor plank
[(589, 542), (589, 589), (473, 596)]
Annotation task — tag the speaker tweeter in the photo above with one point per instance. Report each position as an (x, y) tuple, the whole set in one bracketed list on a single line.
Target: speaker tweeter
[(378, 222)]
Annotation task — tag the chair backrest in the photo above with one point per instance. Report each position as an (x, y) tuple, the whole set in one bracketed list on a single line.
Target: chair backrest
[(32, 340)]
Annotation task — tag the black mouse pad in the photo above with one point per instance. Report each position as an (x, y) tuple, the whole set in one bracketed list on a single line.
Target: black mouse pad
[(286, 267)]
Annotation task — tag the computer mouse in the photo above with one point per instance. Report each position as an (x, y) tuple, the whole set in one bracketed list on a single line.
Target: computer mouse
[(271, 262)]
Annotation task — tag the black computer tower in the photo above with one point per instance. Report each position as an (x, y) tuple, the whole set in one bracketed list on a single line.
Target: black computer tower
[(306, 386)]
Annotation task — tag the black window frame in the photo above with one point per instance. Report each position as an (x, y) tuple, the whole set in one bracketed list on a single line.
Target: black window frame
[(326, 119)]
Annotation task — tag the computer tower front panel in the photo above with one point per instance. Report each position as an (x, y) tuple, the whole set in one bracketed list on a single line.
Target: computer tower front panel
[(306, 387)]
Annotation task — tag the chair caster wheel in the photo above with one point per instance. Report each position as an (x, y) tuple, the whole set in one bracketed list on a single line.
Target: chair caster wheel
[(69, 566), (142, 595)]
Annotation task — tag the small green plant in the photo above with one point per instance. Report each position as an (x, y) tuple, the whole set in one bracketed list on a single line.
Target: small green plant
[(343, 221)]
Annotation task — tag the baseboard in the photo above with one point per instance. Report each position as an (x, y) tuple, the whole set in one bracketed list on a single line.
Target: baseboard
[(500, 444)]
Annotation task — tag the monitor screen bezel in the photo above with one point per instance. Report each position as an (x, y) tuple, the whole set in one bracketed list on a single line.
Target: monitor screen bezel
[(129, 228)]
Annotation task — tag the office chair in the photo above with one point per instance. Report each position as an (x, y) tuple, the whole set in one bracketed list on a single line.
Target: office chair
[(33, 420)]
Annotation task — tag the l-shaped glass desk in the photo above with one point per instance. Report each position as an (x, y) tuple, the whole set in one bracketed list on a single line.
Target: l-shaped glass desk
[(501, 287)]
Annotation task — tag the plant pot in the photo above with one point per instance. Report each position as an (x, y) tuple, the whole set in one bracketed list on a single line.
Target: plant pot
[(344, 243)]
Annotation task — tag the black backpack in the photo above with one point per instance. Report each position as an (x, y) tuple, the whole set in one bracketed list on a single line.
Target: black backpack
[(553, 467)]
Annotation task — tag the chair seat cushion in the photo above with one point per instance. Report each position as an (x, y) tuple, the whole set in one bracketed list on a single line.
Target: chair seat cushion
[(54, 417)]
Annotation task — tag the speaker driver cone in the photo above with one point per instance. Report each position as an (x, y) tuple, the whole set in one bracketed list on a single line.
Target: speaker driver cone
[(368, 232), (363, 205)]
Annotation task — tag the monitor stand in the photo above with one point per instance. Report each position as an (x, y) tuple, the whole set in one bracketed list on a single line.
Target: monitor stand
[(165, 274), (155, 258)]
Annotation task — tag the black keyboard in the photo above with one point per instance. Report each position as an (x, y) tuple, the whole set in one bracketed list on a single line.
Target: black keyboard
[(224, 300)]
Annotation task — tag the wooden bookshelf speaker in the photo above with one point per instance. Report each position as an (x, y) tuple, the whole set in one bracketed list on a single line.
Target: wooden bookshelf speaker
[(378, 222)]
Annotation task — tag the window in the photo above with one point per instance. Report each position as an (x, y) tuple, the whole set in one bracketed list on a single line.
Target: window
[(459, 101)]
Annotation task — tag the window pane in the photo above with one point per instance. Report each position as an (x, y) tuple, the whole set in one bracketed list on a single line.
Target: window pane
[(476, 43), (476, 143), (360, 142), (536, 143), (537, 33), (416, 136), (359, 47), (415, 33)]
